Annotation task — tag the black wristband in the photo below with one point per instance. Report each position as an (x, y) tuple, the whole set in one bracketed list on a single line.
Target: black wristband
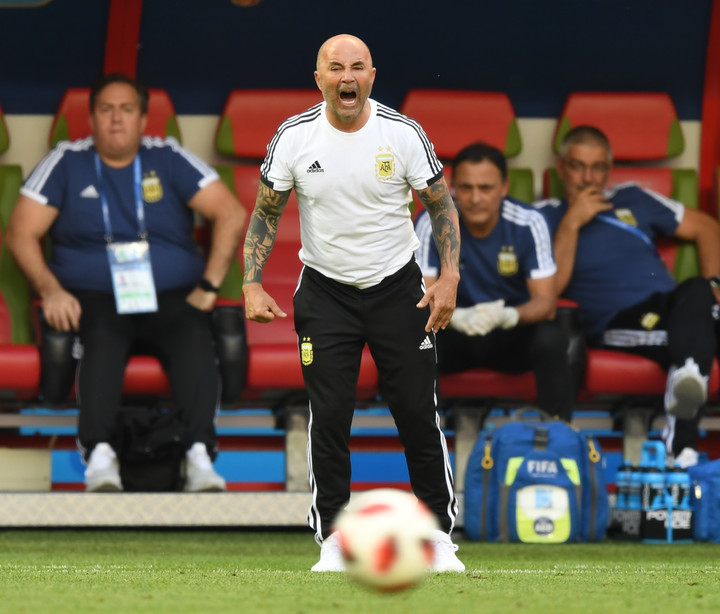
[(207, 286)]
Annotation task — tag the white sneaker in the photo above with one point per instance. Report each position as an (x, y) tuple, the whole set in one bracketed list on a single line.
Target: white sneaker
[(103, 470), (331, 558), (687, 458), (199, 473), (444, 557), (686, 390)]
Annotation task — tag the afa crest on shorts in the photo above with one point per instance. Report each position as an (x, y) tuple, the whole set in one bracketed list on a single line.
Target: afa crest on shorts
[(385, 164), (151, 188), (306, 351), (507, 262), (649, 320)]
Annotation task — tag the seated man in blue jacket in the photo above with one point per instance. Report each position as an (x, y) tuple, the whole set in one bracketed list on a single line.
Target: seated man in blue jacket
[(629, 301), (125, 270), (506, 295)]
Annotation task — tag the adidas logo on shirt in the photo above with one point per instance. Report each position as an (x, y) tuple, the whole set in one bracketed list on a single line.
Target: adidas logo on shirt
[(315, 168), (89, 192), (426, 344)]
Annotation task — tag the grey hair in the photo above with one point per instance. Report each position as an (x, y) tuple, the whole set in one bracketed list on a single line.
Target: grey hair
[(585, 135)]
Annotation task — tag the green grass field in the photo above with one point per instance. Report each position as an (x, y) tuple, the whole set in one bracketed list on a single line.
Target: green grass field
[(159, 572)]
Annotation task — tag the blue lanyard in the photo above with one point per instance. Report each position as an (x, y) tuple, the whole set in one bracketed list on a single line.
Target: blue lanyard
[(629, 228), (139, 205)]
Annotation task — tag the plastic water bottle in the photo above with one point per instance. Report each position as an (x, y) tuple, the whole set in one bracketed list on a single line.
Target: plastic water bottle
[(679, 508), (653, 455), (653, 489), (678, 481), (634, 501), (622, 486)]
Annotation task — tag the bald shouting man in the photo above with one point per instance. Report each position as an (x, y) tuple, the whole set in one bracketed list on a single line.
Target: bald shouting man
[(352, 163)]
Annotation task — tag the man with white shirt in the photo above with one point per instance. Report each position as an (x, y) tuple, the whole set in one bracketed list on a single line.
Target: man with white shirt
[(352, 162)]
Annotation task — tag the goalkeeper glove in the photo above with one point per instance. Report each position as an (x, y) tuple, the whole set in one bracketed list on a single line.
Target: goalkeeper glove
[(484, 317)]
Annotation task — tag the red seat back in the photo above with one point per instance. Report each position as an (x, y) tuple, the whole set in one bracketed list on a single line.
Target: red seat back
[(251, 118), (453, 119), (71, 120), (639, 125)]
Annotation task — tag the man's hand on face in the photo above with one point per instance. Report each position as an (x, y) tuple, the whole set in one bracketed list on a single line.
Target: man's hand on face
[(586, 204)]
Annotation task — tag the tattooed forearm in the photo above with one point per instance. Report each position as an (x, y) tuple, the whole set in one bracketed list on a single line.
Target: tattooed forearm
[(262, 230), (443, 215)]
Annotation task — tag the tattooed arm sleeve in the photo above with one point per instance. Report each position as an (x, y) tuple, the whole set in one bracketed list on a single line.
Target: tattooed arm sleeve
[(262, 230), (444, 218)]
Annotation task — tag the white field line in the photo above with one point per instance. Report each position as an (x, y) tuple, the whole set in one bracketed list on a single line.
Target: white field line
[(552, 571)]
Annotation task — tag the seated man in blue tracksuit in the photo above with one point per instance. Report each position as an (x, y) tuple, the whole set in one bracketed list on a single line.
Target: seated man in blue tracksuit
[(629, 301), (506, 295)]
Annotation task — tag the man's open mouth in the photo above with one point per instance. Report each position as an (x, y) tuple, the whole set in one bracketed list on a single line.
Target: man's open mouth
[(348, 97)]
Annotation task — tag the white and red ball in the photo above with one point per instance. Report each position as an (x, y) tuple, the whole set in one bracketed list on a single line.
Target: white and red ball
[(386, 539)]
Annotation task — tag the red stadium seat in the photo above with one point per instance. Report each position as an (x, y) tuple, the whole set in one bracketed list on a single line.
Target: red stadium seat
[(453, 119), (251, 117), (639, 125), (20, 370), (71, 119), (488, 384), (144, 376), (618, 373)]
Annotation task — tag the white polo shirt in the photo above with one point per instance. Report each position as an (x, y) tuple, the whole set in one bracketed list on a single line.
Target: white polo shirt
[(353, 190)]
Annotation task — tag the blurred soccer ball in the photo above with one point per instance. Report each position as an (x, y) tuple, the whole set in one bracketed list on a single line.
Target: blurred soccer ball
[(386, 539)]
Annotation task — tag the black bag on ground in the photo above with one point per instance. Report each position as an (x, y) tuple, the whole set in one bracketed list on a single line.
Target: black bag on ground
[(152, 446)]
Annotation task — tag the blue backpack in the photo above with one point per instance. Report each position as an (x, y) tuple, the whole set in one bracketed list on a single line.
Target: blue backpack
[(537, 482), (705, 501)]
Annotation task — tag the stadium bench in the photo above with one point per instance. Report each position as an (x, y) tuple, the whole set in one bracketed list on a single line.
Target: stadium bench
[(273, 372)]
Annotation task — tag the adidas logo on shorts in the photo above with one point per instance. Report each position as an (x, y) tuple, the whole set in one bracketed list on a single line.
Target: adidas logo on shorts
[(426, 344)]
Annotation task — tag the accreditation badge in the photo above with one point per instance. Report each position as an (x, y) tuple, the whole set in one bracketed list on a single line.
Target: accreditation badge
[(132, 277)]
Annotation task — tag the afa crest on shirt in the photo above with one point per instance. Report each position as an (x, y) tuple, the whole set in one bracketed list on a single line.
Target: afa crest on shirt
[(649, 320), (385, 164), (507, 262), (151, 187), (306, 351), (625, 215)]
